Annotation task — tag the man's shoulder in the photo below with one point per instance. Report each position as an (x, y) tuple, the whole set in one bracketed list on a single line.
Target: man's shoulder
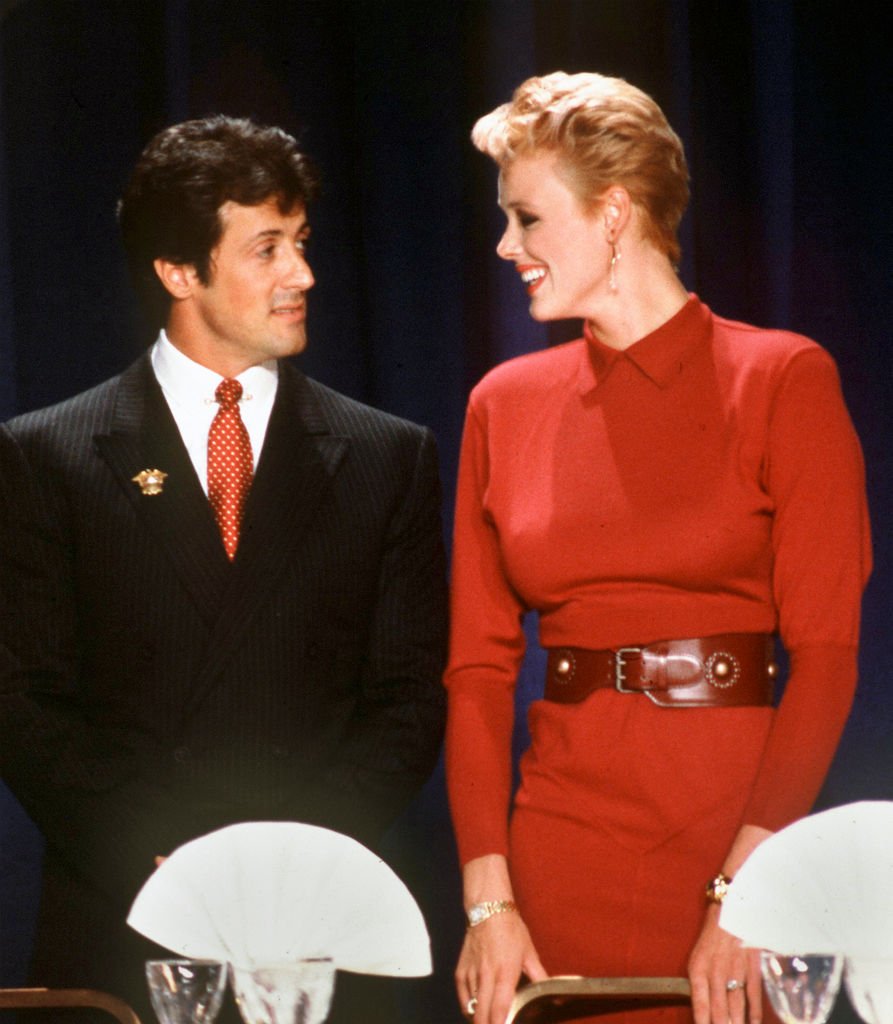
[(84, 412), (349, 416)]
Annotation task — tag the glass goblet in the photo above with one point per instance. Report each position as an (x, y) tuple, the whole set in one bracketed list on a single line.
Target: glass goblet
[(293, 993), (802, 989), (186, 991), (869, 984)]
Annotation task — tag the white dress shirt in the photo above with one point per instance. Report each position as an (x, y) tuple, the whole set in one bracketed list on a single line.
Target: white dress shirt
[(189, 388)]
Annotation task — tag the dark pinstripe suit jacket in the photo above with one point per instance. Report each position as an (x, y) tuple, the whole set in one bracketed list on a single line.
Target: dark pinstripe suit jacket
[(151, 690)]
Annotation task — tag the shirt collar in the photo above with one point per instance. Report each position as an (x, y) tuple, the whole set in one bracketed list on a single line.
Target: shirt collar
[(186, 382), (660, 356)]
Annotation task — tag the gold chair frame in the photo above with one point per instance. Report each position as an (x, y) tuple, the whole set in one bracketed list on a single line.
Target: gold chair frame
[(66, 998), (563, 998)]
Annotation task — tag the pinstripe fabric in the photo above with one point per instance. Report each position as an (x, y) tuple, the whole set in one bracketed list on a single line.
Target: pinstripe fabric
[(152, 690)]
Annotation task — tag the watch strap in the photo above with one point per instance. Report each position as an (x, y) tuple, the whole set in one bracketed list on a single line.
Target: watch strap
[(477, 913)]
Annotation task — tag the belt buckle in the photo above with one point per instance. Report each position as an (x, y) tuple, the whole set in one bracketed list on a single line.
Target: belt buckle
[(619, 678)]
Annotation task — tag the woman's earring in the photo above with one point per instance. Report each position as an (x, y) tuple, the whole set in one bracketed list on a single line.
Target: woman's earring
[(615, 259)]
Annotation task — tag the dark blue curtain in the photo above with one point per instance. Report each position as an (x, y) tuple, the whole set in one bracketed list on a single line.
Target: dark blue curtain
[(784, 110)]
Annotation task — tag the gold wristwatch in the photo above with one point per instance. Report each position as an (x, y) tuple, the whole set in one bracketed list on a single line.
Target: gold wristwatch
[(717, 888), (479, 912)]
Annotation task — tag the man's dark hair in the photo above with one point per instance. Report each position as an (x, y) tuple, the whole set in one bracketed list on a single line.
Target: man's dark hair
[(170, 206)]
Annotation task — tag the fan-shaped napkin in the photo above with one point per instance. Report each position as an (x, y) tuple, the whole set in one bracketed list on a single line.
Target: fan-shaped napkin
[(274, 892), (821, 885)]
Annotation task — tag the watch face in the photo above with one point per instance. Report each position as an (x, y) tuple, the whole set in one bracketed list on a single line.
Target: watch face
[(718, 888), (477, 914)]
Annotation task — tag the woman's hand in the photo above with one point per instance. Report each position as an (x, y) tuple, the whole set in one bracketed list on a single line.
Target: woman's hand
[(725, 977), (494, 956), (497, 951)]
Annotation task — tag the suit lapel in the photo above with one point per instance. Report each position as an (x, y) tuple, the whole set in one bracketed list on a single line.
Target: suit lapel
[(144, 435), (299, 460)]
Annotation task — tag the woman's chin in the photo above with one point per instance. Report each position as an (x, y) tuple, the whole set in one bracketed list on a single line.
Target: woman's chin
[(540, 313)]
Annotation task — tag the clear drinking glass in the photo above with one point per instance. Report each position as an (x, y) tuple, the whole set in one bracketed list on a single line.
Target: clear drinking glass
[(292, 993), (186, 991), (869, 984), (802, 989)]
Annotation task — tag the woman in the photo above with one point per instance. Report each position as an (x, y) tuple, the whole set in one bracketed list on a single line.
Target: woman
[(666, 493)]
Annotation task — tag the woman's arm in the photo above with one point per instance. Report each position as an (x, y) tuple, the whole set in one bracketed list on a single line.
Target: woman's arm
[(719, 957), (487, 644), (497, 951), (813, 472)]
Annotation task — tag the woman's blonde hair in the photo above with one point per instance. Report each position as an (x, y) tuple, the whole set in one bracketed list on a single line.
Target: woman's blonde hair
[(605, 132)]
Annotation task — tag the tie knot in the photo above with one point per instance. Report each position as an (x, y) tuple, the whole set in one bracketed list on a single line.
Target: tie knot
[(228, 392)]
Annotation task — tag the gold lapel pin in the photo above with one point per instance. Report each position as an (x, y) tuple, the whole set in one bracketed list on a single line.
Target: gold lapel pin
[(151, 481)]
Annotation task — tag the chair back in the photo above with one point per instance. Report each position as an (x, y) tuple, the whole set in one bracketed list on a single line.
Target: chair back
[(67, 998), (569, 998)]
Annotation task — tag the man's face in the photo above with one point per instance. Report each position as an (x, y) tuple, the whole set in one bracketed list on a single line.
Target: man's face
[(254, 306)]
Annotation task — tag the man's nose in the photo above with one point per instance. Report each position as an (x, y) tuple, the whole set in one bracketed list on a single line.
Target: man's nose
[(298, 274)]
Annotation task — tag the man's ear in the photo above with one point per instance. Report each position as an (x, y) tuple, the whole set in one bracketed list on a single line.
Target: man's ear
[(180, 279)]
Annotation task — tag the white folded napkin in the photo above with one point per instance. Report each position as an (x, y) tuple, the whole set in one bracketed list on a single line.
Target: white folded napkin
[(263, 893), (822, 885)]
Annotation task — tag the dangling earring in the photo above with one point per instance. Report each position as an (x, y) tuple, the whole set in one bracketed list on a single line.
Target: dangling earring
[(615, 259)]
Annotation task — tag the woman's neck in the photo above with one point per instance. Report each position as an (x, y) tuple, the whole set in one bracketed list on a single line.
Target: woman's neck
[(648, 295)]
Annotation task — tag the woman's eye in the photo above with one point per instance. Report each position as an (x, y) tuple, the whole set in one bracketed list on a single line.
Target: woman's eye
[(267, 252), (526, 219)]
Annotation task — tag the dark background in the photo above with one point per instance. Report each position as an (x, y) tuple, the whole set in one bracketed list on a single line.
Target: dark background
[(784, 111)]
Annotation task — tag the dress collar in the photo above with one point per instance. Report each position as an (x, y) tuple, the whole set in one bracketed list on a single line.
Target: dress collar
[(660, 355)]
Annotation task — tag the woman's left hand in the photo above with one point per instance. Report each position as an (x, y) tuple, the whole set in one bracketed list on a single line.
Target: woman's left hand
[(725, 977)]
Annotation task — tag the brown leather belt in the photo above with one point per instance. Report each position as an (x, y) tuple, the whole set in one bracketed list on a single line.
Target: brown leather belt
[(712, 671)]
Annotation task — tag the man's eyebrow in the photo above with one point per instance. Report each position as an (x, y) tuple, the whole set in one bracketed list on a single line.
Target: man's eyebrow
[(269, 233), (266, 233)]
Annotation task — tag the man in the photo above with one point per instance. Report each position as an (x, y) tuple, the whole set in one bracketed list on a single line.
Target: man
[(223, 583)]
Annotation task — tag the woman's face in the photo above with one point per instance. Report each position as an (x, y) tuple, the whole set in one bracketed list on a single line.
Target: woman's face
[(560, 249)]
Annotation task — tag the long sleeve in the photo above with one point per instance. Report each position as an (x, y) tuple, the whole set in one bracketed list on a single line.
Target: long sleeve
[(822, 559), (395, 735), (80, 783), (487, 647)]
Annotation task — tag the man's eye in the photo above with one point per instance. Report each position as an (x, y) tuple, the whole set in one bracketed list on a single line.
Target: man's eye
[(267, 252)]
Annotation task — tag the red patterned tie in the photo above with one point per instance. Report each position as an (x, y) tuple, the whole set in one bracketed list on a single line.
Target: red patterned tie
[(230, 465)]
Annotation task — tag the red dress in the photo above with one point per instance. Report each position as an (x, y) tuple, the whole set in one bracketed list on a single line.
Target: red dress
[(706, 480)]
